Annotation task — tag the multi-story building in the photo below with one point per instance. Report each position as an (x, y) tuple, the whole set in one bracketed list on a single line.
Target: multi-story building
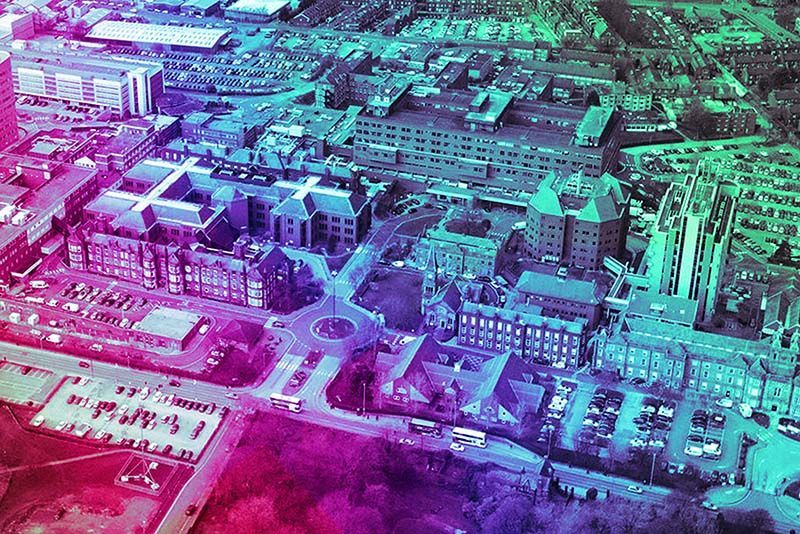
[(526, 333), (458, 254), (240, 277), (37, 200), (126, 87), (701, 364), (483, 138), (205, 128), (578, 220), (133, 141), (193, 202), (622, 96), (563, 296), (8, 112), (691, 238)]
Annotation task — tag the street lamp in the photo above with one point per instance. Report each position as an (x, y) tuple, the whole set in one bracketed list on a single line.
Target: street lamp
[(333, 274), (364, 399), (653, 467)]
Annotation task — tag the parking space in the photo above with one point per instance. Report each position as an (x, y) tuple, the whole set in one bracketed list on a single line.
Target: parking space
[(156, 420), (653, 423), (22, 384), (600, 419)]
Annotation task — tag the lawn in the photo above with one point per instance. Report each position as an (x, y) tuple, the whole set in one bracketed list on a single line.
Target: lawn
[(78, 496), (396, 294)]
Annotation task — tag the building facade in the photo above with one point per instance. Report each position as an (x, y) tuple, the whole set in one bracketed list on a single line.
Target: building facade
[(8, 111), (578, 220), (127, 88), (527, 334), (691, 239), (702, 364), (483, 139)]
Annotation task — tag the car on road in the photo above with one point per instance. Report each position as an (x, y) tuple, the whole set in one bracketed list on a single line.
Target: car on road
[(708, 505), (457, 447), (634, 489), (96, 347), (191, 509), (406, 441), (174, 383), (232, 395), (279, 324), (204, 328), (84, 365)]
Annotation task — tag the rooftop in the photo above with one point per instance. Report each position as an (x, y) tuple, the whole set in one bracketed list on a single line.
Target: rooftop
[(135, 32), (170, 323)]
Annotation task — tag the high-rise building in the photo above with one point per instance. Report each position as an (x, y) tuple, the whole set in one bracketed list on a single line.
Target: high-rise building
[(8, 112), (691, 238), (577, 219)]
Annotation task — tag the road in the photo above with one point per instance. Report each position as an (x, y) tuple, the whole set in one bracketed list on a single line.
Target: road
[(499, 451)]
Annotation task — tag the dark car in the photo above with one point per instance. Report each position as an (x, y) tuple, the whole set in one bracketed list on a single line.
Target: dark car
[(191, 509)]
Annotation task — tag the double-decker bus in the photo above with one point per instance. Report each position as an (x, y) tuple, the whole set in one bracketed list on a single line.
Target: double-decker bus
[(425, 428), (285, 402), (466, 436)]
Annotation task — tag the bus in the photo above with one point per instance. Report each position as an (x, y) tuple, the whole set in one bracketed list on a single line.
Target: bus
[(285, 402), (466, 436), (425, 428)]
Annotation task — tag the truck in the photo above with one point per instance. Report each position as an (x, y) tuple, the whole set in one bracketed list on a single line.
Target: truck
[(33, 319)]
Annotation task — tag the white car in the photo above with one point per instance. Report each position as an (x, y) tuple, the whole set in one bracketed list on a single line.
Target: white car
[(457, 447), (203, 329), (39, 284), (710, 506), (635, 489), (406, 441), (724, 402), (38, 420)]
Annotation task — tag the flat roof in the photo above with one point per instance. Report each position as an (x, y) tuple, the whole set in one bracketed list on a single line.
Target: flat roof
[(170, 323), (113, 30), (261, 7)]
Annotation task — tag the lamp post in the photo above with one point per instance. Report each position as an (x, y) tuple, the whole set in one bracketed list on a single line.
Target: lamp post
[(333, 323), (364, 399), (653, 467)]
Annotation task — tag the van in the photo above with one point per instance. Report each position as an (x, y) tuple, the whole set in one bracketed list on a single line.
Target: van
[(34, 300), (39, 284), (53, 338), (70, 307), (746, 410)]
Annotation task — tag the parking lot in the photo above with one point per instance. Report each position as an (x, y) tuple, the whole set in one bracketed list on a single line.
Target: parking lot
[(21, 384), (156, 420)]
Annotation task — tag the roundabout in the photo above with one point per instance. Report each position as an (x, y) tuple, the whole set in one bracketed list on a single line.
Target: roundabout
[(333, 328)]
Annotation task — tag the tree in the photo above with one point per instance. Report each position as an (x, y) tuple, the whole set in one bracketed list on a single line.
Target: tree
[(512, 516), (747, 521), (697, 119)]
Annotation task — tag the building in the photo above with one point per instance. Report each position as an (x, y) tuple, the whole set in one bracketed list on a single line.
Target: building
[(577, 219), (126, 87), (17, 26), (622, 96), (525, 332), (464, 8), (132, 142), (38, 200), (691, 239), (563, 296), (205, 128), (482, 139), (159, 36), (257, 11), (701, 364), (441, 381), (335, 88), (460, 254), (8, 111), (166, 328)]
